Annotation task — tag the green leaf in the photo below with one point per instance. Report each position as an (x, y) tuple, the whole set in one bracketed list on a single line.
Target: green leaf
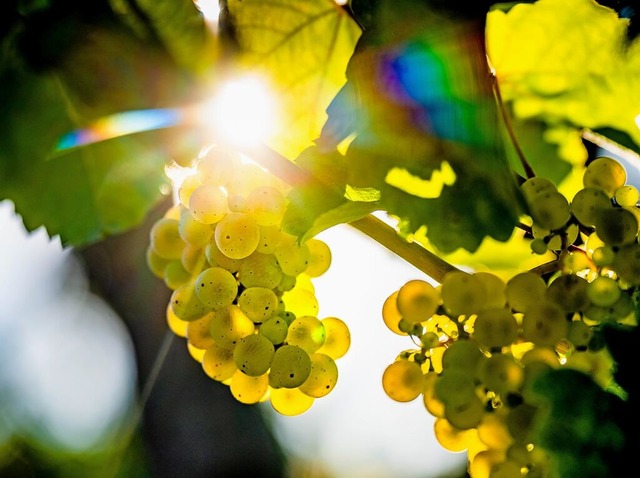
[(302, 48), (552, 69), (419, 100)]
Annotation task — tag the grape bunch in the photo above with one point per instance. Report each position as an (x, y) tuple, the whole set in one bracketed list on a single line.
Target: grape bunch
[(242, 290), (481, 340)]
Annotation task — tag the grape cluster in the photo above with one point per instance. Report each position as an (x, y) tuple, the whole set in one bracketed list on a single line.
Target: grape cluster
[(243, 295), (481, 340)]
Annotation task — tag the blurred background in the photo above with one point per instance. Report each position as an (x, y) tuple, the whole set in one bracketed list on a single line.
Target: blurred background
[(94, 384)]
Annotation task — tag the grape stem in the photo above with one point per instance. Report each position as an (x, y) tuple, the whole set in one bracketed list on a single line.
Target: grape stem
[(416, 255)]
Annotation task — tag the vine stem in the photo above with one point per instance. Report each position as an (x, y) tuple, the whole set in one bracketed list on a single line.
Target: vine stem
[(416, 255)]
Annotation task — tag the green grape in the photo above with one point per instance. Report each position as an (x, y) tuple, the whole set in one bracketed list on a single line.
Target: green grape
[(192, 231), (495, 328), (627, 196), (539, 246), (290, 401), (228, 325), (248, 389), (237, 235), (588, 204), (175, 275), (550, 210), (462, 293), (267, 205), (525, 289), (307, 332), (338, 338), (403, 381), (417, 300), (624, 306), (603, 256), (193, 259), (165, 238), (579, 334), (465, 415), (544, 323), (603, 291), (301, 301), (455, 386), (429, 340), (208, 204), (290, 367), (185, 304), (258, 303), (260, 270), (606, 174), (216, 287), (322, 377), (155, 262), (520, 422), (429, 398), (319, 257), (532, 187), (270, 239), (462, 355), (501, 373), (567, 235), (218, 363), (275, 329), (618, 227), (569, 291), (575, 262), (495, 289), (627, 263), (391, 315), (287, 283), (253, 354), (188, 185), (292, 257), (216, 258), (198, 334)]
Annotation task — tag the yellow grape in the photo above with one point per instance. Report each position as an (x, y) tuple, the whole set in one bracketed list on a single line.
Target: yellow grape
[(301, 301), (453, 439), (260, 270), (292, 257), (525, 289), (431, 402), (322, 377), (290, 401), (208, 204), (193, 258), (544, 323), (501, 373), (165, 238), (188, 185), (266, 205), (155, 262), (176, 325), (175, 275), (403, 381), (465, 414), (185, 304), (198, 333), (229, 325), (247, 389), (215, 257), (270, 238), (237, 235), (462, 293), (258, 303), (391, 315), (495, 328), (338, 338), (606, 174), (307, 332), (417, 300), (275, 329), (319, 257), (218, 363)]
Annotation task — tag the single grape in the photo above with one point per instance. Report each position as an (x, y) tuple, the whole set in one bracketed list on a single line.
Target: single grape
[(617, 227), (175, 275), (155, 262), (319, 257), (208, 204), (544, 323), (237, 235), (338, 338), (627, 196), (603, 256), (501, 373), (185, 304), (570, 292), (228, 325), (290, 367), (417, 300), (455, 386), (525, 289), (462, 355), (431, 402), (198, 333), (403, 381), (588, 204), (188, 185), (495, 289), (539, 246), (627, 263), (292, 257), (218, 363), (301, 302), (605, 173), (193, 259), (550, 210), (248, 389), (465, 415), (270, 239), (391, 315), (579, 334), (537, 185), (176, 325), (275, 329), (192, 231), (603, 291), (462, 293), (495, 328), (307, 332), (216, 287), (290, 401), (492, 431), (322, 377), (260, 270), (453, 439), (266, 205), (216, 258), (165, 238), (258, 303), (253, 354)]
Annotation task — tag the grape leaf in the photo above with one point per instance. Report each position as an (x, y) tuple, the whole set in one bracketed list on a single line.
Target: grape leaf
[(302, 47), (419, 95), (552, 68), (64, 75)]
